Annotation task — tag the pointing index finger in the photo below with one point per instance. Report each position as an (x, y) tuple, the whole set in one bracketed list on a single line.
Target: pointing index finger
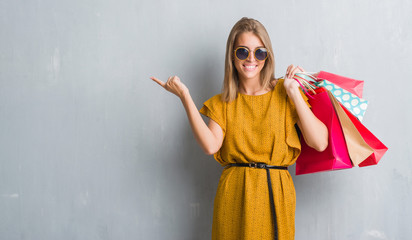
[(161, 83)]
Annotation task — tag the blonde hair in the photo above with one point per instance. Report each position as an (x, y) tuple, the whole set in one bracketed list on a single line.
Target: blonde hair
[(231, 80)]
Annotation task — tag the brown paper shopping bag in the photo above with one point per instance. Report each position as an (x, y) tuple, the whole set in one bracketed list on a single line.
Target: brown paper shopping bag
[(358, 149)]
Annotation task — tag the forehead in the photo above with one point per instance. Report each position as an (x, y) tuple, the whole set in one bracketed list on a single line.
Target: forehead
[(249, 40)]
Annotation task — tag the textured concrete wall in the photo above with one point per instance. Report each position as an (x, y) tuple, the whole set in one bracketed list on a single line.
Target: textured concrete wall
[(91, 148)]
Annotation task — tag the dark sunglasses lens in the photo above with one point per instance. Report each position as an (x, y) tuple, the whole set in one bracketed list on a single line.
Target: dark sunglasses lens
[(261, 54), (242, 53)]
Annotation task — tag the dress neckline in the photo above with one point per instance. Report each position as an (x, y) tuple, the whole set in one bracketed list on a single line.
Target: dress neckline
[(260, 95)]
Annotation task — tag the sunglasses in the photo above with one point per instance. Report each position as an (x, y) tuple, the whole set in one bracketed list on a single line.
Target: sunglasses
[(243, 53)]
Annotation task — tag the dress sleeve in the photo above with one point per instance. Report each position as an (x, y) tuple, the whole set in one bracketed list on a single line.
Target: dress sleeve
[(292, 136), (215, 109)]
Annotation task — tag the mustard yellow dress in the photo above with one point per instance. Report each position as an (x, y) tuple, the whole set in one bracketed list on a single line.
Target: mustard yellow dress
[(256, 129)]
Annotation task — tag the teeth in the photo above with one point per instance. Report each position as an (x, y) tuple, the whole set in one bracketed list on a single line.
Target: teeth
[(250, 67)]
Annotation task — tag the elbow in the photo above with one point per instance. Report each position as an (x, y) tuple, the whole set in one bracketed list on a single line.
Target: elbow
[(322, 140), (210, 150), (321, 146), (322, 143)]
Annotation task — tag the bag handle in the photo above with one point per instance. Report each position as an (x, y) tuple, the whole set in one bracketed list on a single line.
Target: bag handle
[(307, 82), (307, 76), (304, 88)]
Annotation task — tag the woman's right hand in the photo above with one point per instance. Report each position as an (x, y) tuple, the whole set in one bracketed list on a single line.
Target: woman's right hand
[(173, 85), (210, 138)]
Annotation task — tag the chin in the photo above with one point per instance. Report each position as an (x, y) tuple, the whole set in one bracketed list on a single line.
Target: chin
[(250, 76)]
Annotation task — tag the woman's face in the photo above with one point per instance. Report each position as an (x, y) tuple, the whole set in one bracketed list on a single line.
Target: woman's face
[(248, 69)]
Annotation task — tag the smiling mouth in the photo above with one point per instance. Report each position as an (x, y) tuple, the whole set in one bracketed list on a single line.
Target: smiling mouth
[(250, 67)]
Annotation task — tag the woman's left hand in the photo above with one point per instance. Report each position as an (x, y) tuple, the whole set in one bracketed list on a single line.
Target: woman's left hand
[(289, 82), (313, 130)]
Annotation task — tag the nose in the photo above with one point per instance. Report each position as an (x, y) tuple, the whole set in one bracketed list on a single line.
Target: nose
[(251, 57)]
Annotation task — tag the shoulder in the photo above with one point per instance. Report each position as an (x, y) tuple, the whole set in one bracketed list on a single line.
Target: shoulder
[(215, 101), (217, 97), (278, 88), (276, 81), (214, 108)]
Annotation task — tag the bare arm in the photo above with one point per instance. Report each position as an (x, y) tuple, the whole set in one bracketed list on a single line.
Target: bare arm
[(313, 130), (209, 137)]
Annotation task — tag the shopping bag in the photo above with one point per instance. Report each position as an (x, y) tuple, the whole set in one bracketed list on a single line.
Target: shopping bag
[(336, 155), (358, 148), (352, 85), (379, 149), (356, 105)]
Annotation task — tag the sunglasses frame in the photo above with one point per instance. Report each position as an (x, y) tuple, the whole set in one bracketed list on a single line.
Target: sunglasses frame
[(254, 53)]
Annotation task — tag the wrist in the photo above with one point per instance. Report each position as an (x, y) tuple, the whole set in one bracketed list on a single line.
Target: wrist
[(184, 95), (293, 91)]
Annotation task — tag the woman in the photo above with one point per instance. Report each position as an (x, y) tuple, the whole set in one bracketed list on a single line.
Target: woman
[(253, 121)]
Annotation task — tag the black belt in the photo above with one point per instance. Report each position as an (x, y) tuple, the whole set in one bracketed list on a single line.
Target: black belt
[(272, 201)]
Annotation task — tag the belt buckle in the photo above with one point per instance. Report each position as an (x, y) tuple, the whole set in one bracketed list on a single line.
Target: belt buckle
[(253, 165)]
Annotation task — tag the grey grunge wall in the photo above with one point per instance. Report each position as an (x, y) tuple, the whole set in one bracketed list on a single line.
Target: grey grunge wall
[(91, 148)]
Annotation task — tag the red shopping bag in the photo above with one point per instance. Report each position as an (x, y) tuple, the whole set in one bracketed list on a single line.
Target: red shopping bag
[(358, 148), (336, 155), (378, 147), (352, 85)]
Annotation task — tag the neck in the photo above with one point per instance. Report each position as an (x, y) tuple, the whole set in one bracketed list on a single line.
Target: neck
[(251, 87)]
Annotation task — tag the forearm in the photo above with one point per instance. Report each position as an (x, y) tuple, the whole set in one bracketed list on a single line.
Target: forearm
[(204, 136), (313, 130)]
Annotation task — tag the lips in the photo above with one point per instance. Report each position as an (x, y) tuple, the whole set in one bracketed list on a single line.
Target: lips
[(250, 67)]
